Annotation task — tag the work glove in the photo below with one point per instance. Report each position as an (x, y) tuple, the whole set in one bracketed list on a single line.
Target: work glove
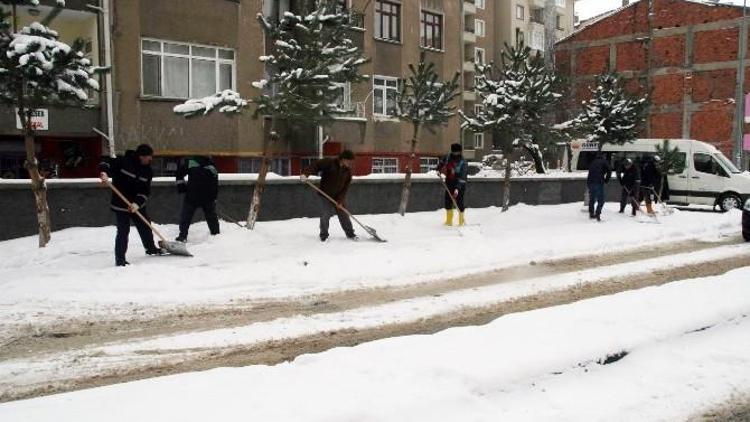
[(104, 177), (134, 207), (455, 193), (303, 178)]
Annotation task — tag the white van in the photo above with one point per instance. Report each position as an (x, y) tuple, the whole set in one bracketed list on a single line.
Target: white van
[(704, 177)]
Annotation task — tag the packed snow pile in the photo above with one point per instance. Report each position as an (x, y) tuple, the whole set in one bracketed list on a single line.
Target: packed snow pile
[(660, 353)]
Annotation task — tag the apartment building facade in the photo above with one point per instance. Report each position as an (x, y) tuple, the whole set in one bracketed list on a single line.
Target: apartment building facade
[(489, 25)]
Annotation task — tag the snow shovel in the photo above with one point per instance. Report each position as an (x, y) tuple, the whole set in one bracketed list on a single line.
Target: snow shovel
[(174, 248), (368, 229)]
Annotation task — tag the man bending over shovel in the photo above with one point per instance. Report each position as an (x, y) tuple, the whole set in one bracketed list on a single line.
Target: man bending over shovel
[(132, 176), (336, 176)]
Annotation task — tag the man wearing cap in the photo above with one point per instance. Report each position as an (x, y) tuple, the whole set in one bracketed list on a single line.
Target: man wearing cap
[(335, 178), (131, 175), (456, 172)]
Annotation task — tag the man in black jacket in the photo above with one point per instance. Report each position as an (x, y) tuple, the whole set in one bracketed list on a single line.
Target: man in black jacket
[(650, 181), (599, 173), (629, 179), (456, 176), (131, 175), (335, 178), (201, 190)]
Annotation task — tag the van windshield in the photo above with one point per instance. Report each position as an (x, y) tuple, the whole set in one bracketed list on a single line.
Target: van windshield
[(726, 163)]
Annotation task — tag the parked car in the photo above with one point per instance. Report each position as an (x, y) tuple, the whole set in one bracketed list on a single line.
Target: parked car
[(704, 177), (746, 221)]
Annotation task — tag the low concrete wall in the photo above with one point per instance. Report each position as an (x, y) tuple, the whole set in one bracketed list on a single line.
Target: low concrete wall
[(79, 203)]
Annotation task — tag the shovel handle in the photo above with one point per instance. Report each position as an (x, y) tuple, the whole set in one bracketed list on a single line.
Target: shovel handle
[(453, 199), (336, 204), (129, 204)]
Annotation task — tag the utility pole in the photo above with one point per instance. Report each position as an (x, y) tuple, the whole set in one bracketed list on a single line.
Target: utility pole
[(740, 119)]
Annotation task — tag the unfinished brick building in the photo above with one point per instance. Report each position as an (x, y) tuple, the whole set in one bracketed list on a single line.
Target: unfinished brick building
[(686, 53)]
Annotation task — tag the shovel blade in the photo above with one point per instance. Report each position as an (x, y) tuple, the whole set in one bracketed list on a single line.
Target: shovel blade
[(175, 248), (374, 234)]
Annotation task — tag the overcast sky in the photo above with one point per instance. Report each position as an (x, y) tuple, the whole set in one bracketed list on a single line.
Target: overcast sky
[(588, 8)]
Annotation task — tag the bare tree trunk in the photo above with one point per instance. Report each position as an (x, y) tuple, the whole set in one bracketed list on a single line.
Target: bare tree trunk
[(506, 184), (260, 184), (38, 185), (406, 190)]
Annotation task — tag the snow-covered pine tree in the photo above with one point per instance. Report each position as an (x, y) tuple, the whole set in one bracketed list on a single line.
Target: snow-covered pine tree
[(424, 101), (672, 160), (514, 99), (611, 115), (37, 69), (313, 56)]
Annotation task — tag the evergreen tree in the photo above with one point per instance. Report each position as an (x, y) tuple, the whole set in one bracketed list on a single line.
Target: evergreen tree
[(672, 160), (36, 70), (611, 115), (313, 55), (514, 100), (424, 101)]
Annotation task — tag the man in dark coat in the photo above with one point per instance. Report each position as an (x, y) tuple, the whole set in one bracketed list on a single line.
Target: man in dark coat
[(336, 176), (131, 175), (599, 174), (629, 179), (650, 180), (456, 172), (201, 190)]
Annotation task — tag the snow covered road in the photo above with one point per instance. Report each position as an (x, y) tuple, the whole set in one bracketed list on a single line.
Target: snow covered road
[(683, 347)]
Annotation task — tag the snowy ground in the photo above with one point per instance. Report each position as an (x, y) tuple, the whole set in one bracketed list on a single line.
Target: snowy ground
[(75, 278), (285, 258), (686, 350)]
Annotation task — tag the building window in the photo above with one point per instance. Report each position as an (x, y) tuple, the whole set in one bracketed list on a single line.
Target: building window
[(175, 70), (385, 95), (479, 4), (537, 16), (520, 38), (478, 109), (479, 56), (520, 12), (479, 29), (387, 20), (427, 164), (560, 3), (280, 166), (344, 96), (479, 141), (537, 39), (560, 21), (431, 30), (341, 6), (384, 165)]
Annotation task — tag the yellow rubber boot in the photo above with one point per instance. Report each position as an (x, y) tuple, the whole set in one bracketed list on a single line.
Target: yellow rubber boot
[(448, 217), (461, 220)]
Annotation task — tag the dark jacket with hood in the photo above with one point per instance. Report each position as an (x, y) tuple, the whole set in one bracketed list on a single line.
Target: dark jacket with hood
[(335, 178), (130, 177), (599, 171), (650, 175), (202, 185), (628, 177), (456, 170)]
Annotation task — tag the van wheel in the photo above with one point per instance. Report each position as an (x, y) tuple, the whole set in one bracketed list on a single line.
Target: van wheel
[(729, 201)]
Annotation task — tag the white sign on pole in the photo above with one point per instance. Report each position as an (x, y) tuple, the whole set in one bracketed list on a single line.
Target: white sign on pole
[(39, 119)]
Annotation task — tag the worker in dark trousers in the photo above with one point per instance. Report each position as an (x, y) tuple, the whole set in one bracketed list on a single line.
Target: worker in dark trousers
[(456, 172), (599, 174), (201, 190), (629, 179), (335, 179), (131, 175)]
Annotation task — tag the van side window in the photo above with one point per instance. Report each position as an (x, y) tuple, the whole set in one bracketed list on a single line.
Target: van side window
[(705, 163)]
